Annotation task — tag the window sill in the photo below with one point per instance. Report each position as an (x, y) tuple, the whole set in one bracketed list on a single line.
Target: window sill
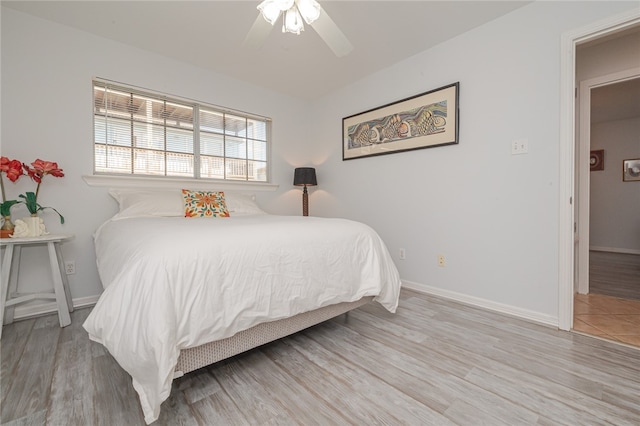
[(175, 183)]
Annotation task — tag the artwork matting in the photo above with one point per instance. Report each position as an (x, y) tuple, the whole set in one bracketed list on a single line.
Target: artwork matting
[(631, 170), (423, 121)]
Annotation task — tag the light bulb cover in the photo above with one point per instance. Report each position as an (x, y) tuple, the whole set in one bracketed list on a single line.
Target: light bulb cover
[(309, 9), (270, 11), (292, 21), (284, 4)]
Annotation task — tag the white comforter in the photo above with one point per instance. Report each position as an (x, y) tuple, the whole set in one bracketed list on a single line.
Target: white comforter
[(175, 283)]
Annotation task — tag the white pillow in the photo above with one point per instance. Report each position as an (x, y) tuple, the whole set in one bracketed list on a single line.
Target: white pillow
[(169, 203), (241, 204), (147, 202)]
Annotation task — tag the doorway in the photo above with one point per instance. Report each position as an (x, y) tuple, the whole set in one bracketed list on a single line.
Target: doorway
[(569, 184), (606, 103), (607, 303)]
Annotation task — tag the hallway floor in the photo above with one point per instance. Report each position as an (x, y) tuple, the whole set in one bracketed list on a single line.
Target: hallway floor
[(614, 274), (607, 317)]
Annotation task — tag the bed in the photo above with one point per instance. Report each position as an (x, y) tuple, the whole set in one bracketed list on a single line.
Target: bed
[(181, 292)]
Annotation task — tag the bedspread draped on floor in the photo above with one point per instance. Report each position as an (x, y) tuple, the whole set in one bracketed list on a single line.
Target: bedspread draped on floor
[(174, 283)]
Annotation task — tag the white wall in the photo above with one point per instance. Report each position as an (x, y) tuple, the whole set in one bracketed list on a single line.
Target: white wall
[(615, 204), (47, 71), (608, 57), (493, 215)]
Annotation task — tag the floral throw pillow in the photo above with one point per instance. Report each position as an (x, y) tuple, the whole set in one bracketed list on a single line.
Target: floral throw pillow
[(204, 204)]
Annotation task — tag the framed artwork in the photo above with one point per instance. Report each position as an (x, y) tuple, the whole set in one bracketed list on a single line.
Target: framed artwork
[(596, 160), (631, 170), (423, 121)]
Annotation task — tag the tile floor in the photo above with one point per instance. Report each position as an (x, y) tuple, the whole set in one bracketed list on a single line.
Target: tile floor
[(607, 317)]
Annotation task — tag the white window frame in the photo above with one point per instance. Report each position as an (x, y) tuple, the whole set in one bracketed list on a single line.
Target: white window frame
[(101, 178)]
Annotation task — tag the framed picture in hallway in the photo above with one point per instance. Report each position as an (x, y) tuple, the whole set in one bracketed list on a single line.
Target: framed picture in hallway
[(423, 121), (631, 170), (596, 160)]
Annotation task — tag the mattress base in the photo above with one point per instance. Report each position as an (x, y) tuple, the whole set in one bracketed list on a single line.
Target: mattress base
[(200, 356)]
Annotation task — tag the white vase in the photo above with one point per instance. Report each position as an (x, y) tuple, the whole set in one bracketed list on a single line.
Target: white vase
[(35, 226)]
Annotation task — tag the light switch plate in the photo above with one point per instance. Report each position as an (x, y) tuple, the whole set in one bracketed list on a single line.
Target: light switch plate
[(519, 146)]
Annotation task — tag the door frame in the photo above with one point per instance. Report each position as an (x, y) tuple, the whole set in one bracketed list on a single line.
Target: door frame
[(567, 159), (583, 171)]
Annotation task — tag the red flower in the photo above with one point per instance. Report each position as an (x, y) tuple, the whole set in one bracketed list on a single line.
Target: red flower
[(13, 168), (42, 168), (33, 174)]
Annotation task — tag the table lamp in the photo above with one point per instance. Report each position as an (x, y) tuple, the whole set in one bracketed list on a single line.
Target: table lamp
[(304, 176)]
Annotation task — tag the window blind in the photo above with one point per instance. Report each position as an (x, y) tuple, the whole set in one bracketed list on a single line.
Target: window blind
[(138, 132)]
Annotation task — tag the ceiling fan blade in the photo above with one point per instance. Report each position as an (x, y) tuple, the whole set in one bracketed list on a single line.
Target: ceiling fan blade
[(258, 33), (331, 34)]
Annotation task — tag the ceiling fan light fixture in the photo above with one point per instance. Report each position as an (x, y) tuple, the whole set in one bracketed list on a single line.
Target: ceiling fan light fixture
[(293, 12), (309, 9)]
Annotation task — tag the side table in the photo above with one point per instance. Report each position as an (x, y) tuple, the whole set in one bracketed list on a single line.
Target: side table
[(10, 272)]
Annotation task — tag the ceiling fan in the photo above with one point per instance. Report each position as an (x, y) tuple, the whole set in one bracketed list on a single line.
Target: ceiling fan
[(293, 13)]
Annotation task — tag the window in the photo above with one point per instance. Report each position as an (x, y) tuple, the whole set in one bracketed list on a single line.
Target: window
[(150, 134)]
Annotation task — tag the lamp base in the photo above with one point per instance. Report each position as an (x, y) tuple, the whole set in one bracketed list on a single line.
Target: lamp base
[(305, 202)]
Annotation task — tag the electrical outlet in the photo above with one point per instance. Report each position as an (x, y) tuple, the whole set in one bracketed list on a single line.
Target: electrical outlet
[(441, 261), (402, 254), (70, 267)]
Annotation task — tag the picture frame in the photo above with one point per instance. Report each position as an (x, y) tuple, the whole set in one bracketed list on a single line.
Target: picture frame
[(596, 160), (426, 120), (631, 170)]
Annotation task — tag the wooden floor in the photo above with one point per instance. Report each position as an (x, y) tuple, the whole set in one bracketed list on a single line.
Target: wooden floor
[(614, 274), (434, 362)]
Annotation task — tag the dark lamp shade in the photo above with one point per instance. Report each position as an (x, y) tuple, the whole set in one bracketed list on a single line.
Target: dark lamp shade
[(305, 176)]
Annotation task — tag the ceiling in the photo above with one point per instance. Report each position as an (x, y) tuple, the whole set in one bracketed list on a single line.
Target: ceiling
[(210, 35)]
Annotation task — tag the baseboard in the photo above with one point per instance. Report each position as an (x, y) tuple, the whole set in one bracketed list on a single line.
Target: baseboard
[(614, 250), (28, 311), (38, 309), (484, 303)]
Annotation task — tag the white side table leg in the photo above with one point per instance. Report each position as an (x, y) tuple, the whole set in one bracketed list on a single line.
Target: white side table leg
[(56, 274), (14, 276), (65, 279), (4, 279)]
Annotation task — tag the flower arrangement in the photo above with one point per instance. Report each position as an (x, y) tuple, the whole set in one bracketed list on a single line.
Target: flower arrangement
[(14, 169), (39, 170)]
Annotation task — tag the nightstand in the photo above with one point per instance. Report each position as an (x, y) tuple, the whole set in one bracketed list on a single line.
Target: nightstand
[(10, 272)]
